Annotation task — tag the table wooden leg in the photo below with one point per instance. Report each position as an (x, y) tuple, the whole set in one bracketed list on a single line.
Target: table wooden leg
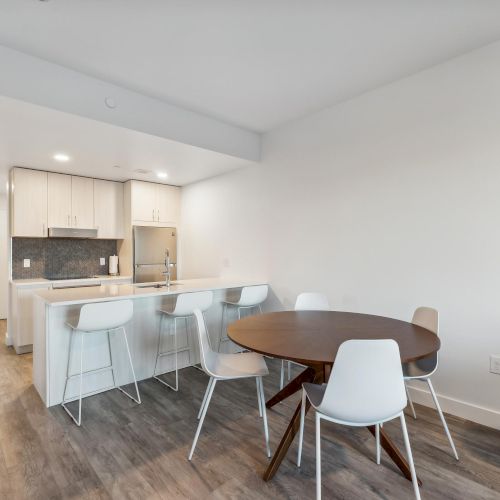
[(293, 386), (394, 453), (308, 375)]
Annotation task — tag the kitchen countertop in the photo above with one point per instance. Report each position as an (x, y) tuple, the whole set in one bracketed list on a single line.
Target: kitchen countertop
[(44, 281), (73, 296)]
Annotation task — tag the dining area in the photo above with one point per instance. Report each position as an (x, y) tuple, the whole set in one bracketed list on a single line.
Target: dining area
[(344, 368)]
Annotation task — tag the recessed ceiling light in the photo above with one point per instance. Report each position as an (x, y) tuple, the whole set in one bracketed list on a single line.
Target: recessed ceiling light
[(161, 175), (61, 157)]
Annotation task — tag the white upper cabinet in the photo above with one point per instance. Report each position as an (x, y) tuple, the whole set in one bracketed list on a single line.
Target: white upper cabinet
[(28, 203), (70, 201), (155, 204), (168, 204), (108, 209), (143, 201), (82, 202), (59, 200)]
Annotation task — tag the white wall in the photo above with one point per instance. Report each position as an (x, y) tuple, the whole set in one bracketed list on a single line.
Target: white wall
[(4, 268), (386, 202)]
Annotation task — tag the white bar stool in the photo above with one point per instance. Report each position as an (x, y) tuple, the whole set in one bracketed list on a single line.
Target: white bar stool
[(184, 308), (251, 297), (95, 319)]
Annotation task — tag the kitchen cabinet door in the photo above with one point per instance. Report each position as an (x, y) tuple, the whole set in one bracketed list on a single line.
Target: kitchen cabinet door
[(82, 202), (168, 205), (108, 209), (28, 203), (59, 200), (143, 201)]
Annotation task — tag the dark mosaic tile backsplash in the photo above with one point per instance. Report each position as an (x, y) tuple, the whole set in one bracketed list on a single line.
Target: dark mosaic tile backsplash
[(59, 258)]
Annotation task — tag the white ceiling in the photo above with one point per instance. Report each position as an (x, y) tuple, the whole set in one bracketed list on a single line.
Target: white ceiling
[(255, 63), (30, 135)]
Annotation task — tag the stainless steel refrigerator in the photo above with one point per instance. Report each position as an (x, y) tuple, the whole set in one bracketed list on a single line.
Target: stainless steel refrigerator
[(150, 249)]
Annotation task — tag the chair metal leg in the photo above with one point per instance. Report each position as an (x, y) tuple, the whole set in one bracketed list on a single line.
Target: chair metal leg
[(318, 456), (260, 309), (410, 456), (258, 396), (264, 415), (210, 382), (441, 416), (282, 375), (301, 428), (410, 402), (138, 399), (202, 418), (377, 441), (289, 370), (78, 420)]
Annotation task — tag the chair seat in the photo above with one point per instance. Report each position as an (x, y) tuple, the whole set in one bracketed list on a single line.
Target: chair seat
[(248, 364), (315, 394)]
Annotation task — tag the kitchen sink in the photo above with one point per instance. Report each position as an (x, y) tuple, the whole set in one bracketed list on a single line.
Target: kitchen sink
[(159, 285)]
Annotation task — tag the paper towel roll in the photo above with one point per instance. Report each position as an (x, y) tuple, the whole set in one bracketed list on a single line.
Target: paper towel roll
[(113, 265)]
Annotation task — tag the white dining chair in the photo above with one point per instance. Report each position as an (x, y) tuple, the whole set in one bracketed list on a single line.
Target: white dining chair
[(101, 318), (366, 388), (423, 369), (228, 367), (251, 298), (307, 301), (185, 305)]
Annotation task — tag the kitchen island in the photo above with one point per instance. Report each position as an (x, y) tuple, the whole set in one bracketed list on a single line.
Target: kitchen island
[(52, 309)]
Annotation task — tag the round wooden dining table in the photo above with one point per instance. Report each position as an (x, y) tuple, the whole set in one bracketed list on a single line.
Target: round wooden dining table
[(312, 338)]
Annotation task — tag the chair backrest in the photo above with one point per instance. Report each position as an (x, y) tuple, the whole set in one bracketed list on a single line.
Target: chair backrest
[(208, 357), (311, 301), (428, 318), (253, 295), (105, 315), (366, 384), (186, 303)]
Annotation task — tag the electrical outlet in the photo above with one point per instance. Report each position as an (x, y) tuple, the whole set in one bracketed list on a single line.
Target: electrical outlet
[(102, 261), (495, 363), (26, 263)]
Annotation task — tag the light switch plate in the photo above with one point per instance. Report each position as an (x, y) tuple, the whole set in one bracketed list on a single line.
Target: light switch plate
[(102, 261), (26, 263), (495, 363)]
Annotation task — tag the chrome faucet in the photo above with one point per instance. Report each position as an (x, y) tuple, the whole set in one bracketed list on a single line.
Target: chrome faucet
[(166, 273)]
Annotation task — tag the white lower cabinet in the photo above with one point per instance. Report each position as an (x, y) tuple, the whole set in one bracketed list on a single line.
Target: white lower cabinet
[(20, 322)]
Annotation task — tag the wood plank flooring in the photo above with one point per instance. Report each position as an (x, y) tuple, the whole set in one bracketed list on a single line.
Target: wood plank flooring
[(129, 451)]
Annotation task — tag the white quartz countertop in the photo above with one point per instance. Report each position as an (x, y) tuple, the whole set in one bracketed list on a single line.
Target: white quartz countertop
[(73, 296), (43, 281)]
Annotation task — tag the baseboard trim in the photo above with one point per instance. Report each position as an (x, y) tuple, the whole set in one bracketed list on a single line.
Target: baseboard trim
[(468, 411)]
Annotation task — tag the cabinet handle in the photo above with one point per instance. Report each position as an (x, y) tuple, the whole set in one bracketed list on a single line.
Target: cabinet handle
[(69, 220), (75, 222), (158, 215), (153, 214)]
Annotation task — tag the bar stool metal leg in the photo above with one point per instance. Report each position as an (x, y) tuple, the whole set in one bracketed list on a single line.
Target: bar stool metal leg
[(138, 400), (224, 307), (63, 404), (160, 354)]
